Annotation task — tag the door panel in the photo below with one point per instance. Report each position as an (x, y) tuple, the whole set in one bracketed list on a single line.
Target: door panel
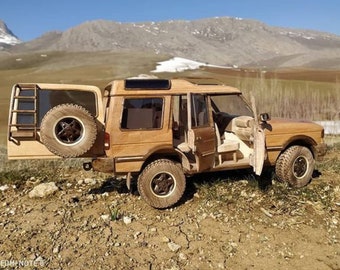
[(201, 133), (29, 104), (259, 154)]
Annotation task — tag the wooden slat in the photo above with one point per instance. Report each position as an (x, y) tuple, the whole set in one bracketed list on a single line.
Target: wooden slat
[(24, 111), (23, 134), (25, 97)]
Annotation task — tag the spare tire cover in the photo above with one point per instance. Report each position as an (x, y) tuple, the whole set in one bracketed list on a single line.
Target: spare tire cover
[(68, 130)]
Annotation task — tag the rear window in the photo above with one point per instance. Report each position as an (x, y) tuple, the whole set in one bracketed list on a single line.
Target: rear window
[(47, 99)]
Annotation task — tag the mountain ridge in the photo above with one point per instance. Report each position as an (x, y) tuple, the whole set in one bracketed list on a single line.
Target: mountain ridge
[(223, 41), (7, 37)]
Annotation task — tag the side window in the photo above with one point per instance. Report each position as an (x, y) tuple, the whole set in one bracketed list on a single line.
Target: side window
[(142, 113), (199, 111)]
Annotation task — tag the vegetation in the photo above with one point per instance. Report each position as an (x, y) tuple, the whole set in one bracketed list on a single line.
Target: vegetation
[(295, 99), (310, 96)]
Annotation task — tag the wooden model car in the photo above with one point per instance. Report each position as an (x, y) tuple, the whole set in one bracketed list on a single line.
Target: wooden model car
[(159, 131)]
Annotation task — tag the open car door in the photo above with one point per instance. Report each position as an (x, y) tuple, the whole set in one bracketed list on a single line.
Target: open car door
[(51, 120), (201, 132), (259, 143)]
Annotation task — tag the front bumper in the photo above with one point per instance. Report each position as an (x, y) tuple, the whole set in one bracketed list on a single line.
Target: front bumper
[(320, 151)]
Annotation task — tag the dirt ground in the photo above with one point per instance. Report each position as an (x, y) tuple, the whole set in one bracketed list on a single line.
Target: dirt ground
[(225, 221)]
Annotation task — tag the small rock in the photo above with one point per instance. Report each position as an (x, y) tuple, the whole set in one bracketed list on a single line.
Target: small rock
[(43, 190), (4, 187), (127, 220), (165, 239), (174, 247), (56, 249), (334, 220), (90, 181), (182, 256), (244, 194), (105, 217), (91, 197), (136, 234)]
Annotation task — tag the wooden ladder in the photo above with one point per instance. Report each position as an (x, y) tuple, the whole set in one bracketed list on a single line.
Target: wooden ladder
[(24, 95)]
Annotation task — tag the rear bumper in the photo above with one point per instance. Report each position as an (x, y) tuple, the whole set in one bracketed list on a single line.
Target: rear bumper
[(104, 164)]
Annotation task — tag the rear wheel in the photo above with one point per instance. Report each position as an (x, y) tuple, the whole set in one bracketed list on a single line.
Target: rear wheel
[(162, 183), (68, 130), (295, 166)]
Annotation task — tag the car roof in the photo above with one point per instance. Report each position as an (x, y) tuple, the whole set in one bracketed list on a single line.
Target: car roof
[(165, 87)]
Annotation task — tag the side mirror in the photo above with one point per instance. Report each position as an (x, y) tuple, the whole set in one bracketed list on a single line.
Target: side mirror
[(264, 117)]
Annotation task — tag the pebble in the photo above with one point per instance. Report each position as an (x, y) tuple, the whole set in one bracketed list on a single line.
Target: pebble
[(90, 181), (43, 190), (174, 247), (165, 239), (182, 256), (136, 234), (127, 220), (56, 249), (105, 217), (4, 187)]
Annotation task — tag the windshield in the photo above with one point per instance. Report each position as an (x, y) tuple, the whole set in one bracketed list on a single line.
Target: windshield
[(231, 104)]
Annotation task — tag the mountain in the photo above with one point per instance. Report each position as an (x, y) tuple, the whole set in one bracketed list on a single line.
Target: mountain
[(221, 41), (7, 38)]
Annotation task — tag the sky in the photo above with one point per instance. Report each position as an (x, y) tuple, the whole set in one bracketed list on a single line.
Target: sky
[(29, 19)]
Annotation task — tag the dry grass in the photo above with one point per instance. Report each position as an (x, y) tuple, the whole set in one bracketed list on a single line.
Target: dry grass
[(297, 94)]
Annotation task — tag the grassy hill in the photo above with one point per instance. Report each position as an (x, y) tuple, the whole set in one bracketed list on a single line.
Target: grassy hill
[(293, 93)]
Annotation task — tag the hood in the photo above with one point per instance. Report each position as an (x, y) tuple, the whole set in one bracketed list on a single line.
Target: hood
[(291, 126)]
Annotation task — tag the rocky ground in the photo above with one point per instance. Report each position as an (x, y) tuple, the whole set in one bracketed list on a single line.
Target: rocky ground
[(225, 221)]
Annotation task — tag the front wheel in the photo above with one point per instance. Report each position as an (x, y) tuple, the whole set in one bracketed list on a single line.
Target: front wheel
[(162, 183), (295, 166)]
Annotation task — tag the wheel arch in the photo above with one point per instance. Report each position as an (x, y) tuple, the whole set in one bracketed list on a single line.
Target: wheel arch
[(301, 140), (163, 153)]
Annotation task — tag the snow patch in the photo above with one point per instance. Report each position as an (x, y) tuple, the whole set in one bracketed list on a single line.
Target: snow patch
[(331, 127), (179, 64)]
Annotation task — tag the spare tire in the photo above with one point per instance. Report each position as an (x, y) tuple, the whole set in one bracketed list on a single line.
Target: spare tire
[(68, 130)]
